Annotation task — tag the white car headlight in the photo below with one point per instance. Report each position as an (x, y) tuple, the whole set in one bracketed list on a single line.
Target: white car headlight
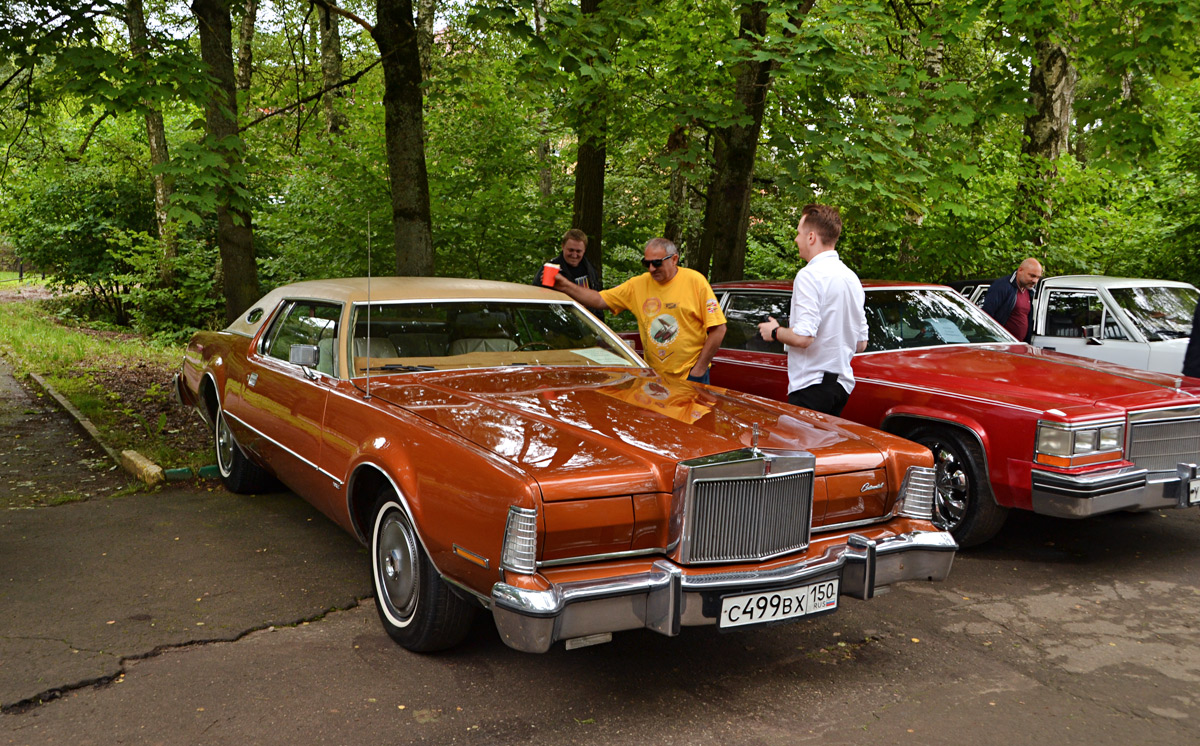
[(1067, 446)]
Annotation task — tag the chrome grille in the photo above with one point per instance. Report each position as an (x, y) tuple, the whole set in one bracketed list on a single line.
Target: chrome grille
[(1159, 446), (750, 518)]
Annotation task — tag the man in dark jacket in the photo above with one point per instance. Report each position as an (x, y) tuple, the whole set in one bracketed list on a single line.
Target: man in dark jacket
[(1191, 358), (1010, 299), (574, 265)]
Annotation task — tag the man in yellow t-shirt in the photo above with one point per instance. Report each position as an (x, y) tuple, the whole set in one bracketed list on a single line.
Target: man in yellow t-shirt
[(678, 316)]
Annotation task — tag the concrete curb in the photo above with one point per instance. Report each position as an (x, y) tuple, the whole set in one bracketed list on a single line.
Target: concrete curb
[(131, 461)]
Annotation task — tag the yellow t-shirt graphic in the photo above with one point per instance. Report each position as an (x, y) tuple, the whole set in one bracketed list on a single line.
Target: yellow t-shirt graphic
[(673, 319)]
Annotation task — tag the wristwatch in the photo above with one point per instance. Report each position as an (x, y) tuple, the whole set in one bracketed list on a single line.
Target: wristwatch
[(775, 334)]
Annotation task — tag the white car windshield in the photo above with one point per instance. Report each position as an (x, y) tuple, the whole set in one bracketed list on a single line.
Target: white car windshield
[(1159, 312), (926, 317), (436, 335)]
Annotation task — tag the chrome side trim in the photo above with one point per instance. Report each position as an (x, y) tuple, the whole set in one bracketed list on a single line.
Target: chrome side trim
[(606, 556), (818, 530), (336, 482)]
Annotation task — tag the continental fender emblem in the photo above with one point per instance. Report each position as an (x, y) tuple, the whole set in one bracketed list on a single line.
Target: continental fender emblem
[(867, 487)]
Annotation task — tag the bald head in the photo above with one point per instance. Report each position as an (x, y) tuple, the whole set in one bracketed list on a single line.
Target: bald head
[(1029, 273)]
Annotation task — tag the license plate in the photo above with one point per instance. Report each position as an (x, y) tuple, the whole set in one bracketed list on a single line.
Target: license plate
[(774, 606), (1194, 492)]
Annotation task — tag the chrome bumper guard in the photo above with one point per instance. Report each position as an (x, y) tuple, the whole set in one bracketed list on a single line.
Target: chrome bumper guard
[(667, 597), (1126, 488)]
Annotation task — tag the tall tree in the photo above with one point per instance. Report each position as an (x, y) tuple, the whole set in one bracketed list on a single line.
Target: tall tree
[(591, 128), (1052, 81), (735, 149), (404, 134), (331, 69), (156, 136), (245, 65), (235, 237)]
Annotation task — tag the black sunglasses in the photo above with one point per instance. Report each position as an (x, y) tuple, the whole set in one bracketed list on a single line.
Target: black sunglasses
[(656, 263)]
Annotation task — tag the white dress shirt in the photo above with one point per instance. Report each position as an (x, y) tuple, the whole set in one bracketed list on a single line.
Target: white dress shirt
[(827, 304)]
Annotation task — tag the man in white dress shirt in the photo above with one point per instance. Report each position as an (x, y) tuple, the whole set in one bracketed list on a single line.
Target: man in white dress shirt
[(828, 323)]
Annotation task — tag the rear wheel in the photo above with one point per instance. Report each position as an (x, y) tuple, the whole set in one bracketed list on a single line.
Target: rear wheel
[(417, 608), (238, 473), (963, 503)]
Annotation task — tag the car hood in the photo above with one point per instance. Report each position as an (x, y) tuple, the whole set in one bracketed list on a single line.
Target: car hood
[(1029, 377), (586, 432)]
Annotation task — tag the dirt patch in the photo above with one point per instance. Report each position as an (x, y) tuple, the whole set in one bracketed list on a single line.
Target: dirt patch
[(10, 292), (141, 393), (136, 394)]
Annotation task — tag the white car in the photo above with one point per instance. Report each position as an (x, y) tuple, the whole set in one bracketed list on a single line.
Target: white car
[(1138, 323)]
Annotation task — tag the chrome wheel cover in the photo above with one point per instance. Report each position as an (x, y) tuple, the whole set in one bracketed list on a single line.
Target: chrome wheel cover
[(396, 564), (953, 484), (225, 446)]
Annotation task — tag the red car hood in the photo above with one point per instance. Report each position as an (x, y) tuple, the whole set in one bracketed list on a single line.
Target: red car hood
[(1027, 376), (616, 431)]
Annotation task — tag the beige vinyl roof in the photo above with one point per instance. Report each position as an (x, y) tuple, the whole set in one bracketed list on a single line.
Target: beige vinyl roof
[(384, 289)]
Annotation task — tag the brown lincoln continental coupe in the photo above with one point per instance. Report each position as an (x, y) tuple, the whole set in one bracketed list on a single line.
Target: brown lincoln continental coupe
[(498, 448)]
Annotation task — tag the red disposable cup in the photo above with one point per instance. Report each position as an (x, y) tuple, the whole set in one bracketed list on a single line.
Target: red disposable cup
[(549, 272)]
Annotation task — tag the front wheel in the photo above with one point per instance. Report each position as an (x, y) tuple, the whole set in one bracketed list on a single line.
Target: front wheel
[(417, 608), (963, 503), (239, 474)]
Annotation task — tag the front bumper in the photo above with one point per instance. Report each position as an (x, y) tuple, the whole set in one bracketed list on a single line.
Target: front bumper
[(1126, 488), (665, 596)]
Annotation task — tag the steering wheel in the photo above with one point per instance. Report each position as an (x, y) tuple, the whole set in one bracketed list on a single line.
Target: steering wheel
[(534, 345)]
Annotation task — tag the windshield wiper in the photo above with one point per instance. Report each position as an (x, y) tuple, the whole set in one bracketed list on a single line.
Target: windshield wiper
[(402, 367)]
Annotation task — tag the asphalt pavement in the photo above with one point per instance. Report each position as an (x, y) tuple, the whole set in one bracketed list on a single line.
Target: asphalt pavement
[(189, 615)]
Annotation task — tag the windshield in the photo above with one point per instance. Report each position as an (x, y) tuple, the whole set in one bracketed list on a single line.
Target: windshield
[(926, 317), (438, 335), (1159, 312)]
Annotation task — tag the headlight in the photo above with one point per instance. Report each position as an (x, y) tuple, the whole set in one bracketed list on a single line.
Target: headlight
[(1067, 446)]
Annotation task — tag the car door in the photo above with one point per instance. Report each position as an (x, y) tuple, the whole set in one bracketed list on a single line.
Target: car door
[(746, 361), (1079, 321), (283, 403)]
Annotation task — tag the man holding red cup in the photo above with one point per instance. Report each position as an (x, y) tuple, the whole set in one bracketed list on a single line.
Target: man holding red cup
[(572, 265)]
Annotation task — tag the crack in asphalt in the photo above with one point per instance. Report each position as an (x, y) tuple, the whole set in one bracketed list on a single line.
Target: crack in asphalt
[(49, 695)]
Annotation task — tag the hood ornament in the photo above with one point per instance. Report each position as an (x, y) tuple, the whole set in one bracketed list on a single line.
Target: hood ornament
[(754, 437)]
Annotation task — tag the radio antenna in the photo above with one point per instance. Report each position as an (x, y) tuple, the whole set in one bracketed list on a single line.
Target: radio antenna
[(368, 303)]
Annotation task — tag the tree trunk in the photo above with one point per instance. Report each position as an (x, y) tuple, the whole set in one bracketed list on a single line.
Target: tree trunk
[(591, 129), (677, 204), (331, 70), (1052, 81), (156, 135), (404, 129), (727, 210), (235, 238), (426, 13), (245, 65)]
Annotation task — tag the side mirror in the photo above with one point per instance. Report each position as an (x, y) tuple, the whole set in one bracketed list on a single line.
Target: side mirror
[(304, 355)]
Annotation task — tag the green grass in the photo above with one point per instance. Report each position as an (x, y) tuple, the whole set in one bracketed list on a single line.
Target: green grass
[(35, 343), (67, 357)]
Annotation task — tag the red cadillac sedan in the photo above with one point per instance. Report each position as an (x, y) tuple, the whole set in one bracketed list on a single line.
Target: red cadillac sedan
[(1010, 425)]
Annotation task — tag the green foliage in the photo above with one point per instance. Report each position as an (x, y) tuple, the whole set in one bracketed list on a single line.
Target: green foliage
[(908, 117), (69, 225)]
